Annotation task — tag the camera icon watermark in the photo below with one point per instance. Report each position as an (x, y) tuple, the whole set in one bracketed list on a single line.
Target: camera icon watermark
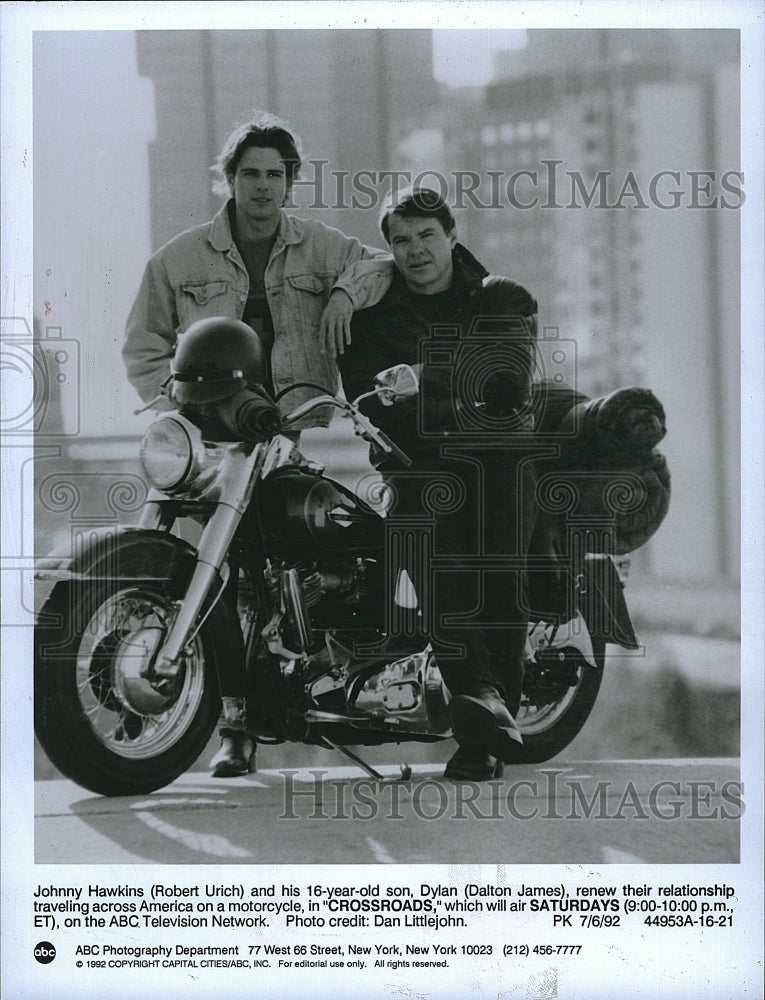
[(481, 369), (41, 381), (486, 371), (555, 376)]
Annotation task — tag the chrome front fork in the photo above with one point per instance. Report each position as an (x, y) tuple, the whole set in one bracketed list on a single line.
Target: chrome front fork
[(210, 563)]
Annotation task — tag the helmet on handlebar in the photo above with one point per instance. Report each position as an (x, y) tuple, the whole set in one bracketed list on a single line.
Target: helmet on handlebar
[(216, 358)]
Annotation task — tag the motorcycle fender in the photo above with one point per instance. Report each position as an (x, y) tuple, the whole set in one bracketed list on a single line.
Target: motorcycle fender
[(602, 604), (98, 556)]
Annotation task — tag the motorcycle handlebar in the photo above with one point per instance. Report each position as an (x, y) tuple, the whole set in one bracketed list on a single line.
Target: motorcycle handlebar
[(393, 451), (363, 426)]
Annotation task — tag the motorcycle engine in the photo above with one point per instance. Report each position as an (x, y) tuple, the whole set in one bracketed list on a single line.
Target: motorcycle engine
[(340, 594)]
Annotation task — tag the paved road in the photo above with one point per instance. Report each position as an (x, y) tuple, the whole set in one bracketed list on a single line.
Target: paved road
[(617, 812)]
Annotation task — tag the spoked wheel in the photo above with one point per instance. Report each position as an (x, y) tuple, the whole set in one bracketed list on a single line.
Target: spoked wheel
[(559, 692), (99, 719), (130, 716)]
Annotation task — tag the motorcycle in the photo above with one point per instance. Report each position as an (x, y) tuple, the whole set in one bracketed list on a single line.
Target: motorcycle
[(288, 578)]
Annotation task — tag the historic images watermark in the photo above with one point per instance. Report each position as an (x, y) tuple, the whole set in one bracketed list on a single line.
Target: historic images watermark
[(549, 796), (546, 185)]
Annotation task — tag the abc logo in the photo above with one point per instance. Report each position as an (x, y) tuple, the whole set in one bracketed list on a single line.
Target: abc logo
[(44, 952)]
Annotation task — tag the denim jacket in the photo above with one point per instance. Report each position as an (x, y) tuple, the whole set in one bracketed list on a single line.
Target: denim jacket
[(200, 274)]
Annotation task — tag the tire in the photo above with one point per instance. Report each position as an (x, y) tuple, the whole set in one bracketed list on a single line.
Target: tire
[(551, 726), (99, 722)]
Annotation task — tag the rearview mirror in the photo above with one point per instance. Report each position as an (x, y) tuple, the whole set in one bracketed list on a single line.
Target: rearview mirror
[(399, 382)]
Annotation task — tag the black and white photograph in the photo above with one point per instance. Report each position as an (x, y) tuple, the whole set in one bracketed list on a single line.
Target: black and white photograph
[(382, 500)]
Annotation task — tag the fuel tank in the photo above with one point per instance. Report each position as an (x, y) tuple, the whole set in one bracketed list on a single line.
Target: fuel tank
[(306, 516)]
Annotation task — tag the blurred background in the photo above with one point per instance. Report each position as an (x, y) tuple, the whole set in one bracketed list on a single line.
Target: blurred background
[(641, 284)]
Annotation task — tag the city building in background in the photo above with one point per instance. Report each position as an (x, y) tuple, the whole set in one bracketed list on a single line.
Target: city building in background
[(349, 95), (644, 280), (575, 125)]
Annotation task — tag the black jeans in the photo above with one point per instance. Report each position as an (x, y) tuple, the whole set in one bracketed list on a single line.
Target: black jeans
[(460, 525)]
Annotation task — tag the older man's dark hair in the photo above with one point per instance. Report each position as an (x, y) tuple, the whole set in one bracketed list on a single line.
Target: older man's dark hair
[(417, 203)]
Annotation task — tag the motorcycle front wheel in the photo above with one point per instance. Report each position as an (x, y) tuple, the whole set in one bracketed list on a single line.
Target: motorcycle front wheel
[(100, 722), (559, 692)]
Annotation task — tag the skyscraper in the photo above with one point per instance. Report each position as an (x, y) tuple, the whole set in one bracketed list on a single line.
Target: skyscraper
[(350, 95), (603, 159)]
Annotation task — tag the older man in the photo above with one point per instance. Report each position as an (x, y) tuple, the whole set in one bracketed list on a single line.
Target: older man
[(465, 505)]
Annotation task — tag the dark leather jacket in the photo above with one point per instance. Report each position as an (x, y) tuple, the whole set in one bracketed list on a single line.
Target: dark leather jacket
[(476, 345)]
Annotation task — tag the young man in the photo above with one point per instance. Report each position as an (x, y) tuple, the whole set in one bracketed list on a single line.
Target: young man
[(466, 503), (255, 263)]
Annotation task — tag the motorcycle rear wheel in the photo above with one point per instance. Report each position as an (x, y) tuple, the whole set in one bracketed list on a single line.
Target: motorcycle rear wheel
[(100, 723), (550, 726)]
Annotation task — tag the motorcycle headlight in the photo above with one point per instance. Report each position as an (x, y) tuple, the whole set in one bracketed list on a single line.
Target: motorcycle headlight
[(167, 454)]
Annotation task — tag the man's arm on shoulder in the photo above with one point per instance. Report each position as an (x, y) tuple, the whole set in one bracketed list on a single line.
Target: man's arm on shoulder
[(365, 274), (361, 285), (365, 281), (340, 253)]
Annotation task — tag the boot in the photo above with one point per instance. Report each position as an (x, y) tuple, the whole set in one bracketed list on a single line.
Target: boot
[(237, 748), (481, 717), (473, 763)]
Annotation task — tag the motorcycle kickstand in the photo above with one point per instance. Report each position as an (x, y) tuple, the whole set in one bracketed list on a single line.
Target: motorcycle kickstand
[(406, 771)]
